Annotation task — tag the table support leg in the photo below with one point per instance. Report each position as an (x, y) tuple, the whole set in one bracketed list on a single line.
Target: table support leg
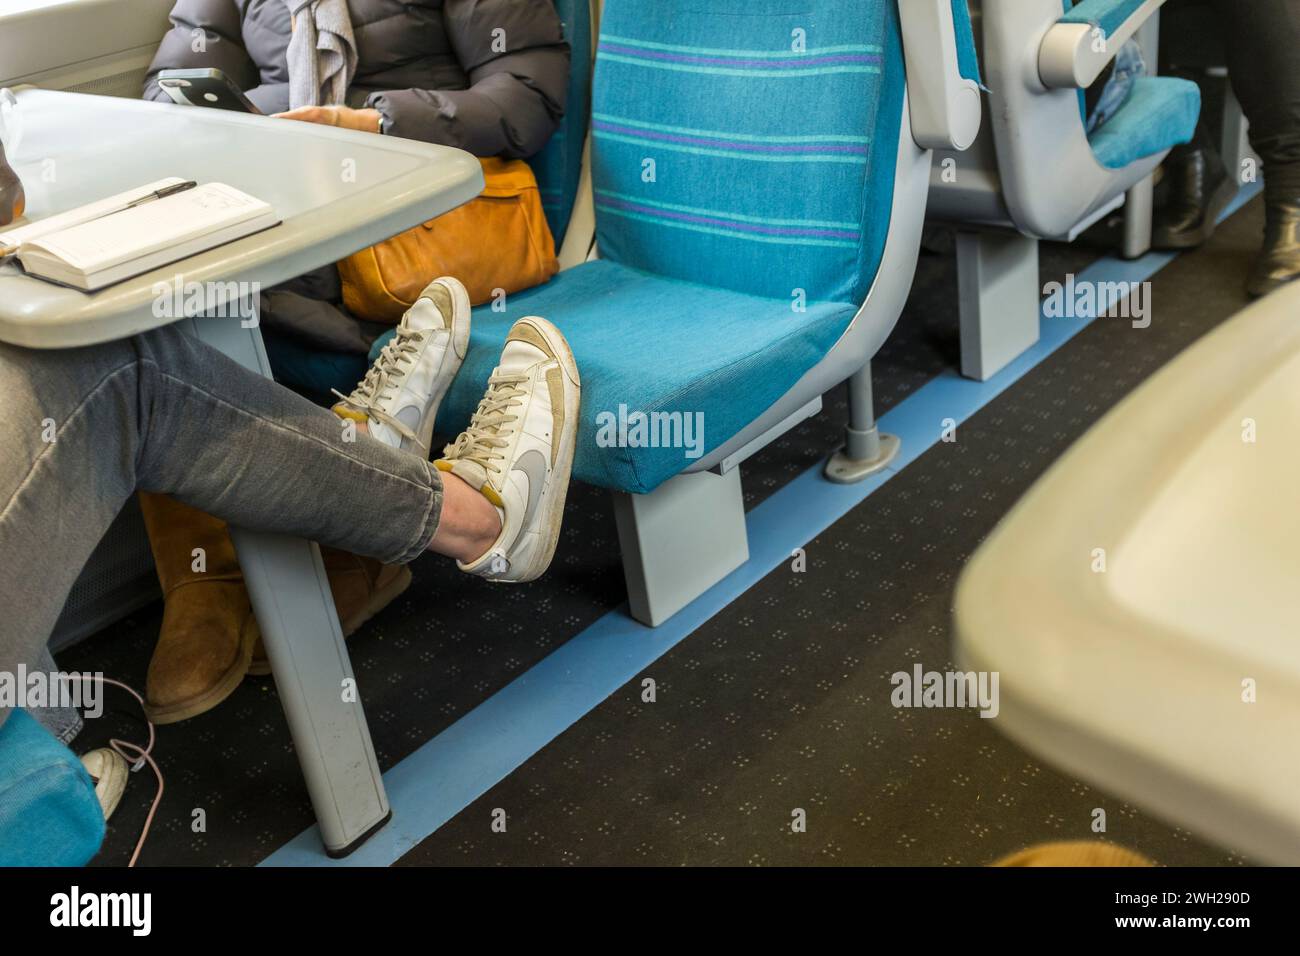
[(313, 674)]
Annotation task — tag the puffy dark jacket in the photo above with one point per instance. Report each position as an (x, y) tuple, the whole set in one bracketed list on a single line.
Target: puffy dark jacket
[(488, 76)]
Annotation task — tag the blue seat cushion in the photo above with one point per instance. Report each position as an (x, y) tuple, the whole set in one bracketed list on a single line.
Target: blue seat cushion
[(49, 814), (653, 344), (1160, 113)]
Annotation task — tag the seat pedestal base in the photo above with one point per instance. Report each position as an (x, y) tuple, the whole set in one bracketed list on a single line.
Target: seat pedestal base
[(1138, 212), (679, 541), (998, 300), (866, 451), (844, 468)]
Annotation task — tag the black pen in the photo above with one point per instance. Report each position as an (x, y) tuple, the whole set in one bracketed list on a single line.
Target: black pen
[(7, 251), (160, 194)]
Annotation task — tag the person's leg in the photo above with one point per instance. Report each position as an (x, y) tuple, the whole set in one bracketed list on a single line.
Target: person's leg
[(163, 412), (1197, 184), (62, 482), (468, 528), (59, 717), (209, 638), (1263, 38), (259, 456), (1264, 69)]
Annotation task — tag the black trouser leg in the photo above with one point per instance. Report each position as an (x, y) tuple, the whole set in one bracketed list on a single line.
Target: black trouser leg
[(1263, 53)]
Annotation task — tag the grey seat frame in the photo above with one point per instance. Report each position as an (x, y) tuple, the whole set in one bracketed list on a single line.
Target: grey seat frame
[(1031, 175)]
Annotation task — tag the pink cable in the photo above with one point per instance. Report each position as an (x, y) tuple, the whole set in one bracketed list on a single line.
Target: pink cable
[(143, 755)]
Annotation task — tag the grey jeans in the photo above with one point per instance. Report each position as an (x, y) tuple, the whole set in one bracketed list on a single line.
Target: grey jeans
[(83, 429)]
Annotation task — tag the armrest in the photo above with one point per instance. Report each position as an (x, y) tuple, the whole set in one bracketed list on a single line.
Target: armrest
[(1077, 47), (944, 105)]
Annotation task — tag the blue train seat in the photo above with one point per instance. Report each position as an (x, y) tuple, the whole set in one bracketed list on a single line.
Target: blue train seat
[(1037, 172), (753, 252)]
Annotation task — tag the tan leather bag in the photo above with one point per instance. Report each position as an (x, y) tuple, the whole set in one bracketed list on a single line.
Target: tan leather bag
[(498, 241)]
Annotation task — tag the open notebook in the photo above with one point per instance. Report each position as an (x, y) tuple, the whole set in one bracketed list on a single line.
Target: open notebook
[(103, 243)]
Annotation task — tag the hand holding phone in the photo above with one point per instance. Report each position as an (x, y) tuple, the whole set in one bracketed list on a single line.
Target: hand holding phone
[(211, 88)]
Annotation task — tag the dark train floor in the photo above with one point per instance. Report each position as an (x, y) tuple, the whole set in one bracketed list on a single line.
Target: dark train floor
[(758, 711), (781, 701)]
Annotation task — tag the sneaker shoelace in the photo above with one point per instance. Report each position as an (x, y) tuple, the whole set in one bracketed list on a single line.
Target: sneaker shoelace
[(488, 431), (387, 373)]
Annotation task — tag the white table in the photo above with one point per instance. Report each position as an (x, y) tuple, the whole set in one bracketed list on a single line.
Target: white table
[(1140, 603), (337, 191)]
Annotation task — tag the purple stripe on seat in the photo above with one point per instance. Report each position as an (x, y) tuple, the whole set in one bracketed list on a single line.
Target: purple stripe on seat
[(795, 62), (732, 144), (726, 223)]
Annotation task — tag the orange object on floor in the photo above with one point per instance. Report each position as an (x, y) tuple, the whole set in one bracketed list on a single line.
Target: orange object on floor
[(1075, 853)]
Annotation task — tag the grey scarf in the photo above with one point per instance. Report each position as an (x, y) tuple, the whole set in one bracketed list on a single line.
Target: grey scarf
[(322, 53)]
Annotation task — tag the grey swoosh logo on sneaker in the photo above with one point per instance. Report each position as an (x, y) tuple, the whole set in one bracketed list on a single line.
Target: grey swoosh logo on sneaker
[(410, 417), (533, 464)]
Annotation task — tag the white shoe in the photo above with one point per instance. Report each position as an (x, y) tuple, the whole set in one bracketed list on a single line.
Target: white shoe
[(108, 770), (400, 395), (518, 449)]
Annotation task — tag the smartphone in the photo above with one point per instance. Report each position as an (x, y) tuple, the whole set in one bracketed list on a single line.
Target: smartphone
[(210, 88)]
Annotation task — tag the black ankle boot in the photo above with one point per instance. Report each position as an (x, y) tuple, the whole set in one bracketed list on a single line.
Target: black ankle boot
[(1200, 189), (1279, 262)]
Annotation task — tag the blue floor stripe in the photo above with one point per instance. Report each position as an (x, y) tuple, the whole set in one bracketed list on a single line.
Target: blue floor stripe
[(471, 756)]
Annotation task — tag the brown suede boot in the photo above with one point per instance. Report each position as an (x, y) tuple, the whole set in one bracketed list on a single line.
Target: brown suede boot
[(208, 628), (362, 588), (210, 639)]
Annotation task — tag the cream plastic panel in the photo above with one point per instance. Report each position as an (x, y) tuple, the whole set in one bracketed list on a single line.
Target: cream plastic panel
[(1171, 677)]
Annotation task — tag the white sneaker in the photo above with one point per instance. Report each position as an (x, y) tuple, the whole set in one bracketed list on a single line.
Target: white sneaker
[(518, 449), (109, 772), (400, 395)]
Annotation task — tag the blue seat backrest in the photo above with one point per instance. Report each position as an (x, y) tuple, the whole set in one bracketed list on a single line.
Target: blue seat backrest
[(748, 144), (968, 64), (559, 166)]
